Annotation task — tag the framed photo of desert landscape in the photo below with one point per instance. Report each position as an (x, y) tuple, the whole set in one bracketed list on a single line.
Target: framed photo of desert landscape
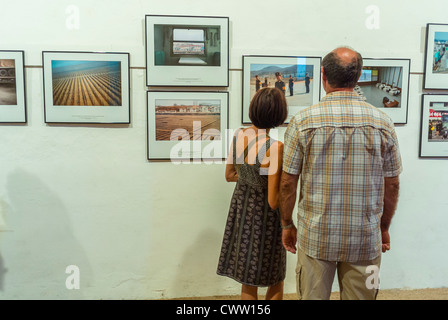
[(434, 126), (187, 125), (436, 59), (298, 77), (187, 51), (12, 87), (86, 87), (384, 83)]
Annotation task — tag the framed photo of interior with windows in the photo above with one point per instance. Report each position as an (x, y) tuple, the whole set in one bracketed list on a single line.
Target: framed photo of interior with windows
[(86, 87), (187, 51), (384, 83), (434, 126), (187, 125), (436, 57), (298, 77), (12, 87)]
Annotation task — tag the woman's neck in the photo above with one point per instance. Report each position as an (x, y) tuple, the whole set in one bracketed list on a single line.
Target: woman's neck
[(258, 130)]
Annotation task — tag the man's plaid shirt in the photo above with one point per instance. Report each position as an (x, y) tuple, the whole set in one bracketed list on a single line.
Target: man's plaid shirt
[(342, 148)]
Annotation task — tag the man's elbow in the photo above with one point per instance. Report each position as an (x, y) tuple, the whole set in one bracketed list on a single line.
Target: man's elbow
[(392, 183), (288, 183)]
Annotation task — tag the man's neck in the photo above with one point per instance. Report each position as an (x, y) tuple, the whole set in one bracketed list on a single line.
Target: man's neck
[(330, 90)]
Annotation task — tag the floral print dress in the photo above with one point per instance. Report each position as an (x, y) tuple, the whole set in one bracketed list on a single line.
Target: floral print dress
[(252, 252)]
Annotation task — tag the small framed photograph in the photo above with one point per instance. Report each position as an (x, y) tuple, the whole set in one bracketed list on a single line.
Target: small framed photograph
[(298, 77), (434, 126), (187, 51), (436, 60), (187, 125), (86, 87), (12, 87), (384, 83)]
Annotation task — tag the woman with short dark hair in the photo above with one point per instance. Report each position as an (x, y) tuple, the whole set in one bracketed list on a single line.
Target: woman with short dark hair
[(252, 252)]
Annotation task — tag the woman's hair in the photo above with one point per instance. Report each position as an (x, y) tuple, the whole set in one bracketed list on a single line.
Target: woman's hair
[(268, 108)]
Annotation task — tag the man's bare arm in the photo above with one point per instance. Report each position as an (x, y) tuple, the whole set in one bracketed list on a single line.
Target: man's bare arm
[(288, 195), (391, 193)]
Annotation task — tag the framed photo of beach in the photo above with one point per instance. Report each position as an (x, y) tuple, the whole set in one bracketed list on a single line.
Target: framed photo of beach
[(86, 87), (184, 126), (436, 59), (12, 87), (384, 83), (187, 51), (434, 126), (298, 77)]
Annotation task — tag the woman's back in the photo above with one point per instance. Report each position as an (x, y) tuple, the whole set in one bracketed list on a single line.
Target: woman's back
[(249, 156)]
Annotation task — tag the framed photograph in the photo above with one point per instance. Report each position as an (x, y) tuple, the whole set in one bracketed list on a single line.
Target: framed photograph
[(436, 62), (384, 83), (298, 77), (86, 87), (187, 125), (12, 87), (187, 51), (434, 126)]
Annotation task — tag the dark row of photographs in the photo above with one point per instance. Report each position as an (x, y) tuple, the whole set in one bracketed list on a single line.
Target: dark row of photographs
[(191, 52)]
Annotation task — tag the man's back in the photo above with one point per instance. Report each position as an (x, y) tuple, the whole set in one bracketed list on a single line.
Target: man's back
[(343, 148)]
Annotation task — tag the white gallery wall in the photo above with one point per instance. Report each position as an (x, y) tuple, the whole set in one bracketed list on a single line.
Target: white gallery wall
[(86, 195)]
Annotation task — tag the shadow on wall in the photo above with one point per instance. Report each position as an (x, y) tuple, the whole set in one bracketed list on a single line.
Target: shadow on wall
[(199, 262), (2, 274), (41, 244), (3, 270)]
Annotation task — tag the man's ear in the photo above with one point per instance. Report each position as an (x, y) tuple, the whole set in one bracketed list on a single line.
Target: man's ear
[(324, 76)]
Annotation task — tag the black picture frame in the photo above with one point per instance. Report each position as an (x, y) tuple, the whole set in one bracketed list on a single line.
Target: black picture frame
[(12, 87), (393, 86), (434, 126), (86, 87), (284, 64), (435, 70), (189, 70), (160, 146)]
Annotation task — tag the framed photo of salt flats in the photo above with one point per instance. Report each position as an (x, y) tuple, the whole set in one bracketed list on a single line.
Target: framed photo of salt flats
[(86, 87), (187, 51), (12, 87), (299, 77), (384, 83), (434, 126), (187, 125), (436, 57)]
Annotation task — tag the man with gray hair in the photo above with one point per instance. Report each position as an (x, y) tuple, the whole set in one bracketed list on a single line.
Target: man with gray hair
[(346, 153)]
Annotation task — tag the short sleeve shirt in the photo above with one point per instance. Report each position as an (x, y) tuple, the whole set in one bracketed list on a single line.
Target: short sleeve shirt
[(342, 148)]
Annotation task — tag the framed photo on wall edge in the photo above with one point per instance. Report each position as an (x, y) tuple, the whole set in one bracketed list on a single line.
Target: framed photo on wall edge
[(434, 126), (436, 57), (12, 87)]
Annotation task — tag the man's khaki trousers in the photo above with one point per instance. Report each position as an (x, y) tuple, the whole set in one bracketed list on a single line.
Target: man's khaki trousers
[(315, 278)]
